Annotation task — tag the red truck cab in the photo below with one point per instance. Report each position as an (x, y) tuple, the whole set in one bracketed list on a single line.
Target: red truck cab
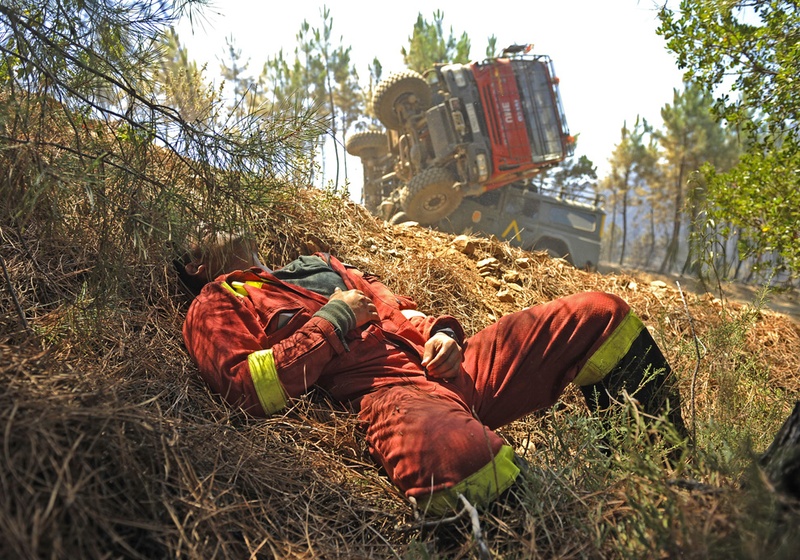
[(462, 130)]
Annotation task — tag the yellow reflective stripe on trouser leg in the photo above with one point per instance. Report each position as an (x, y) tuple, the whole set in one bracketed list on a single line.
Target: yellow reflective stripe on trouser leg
[(480, 488), (611, 351), (265, 378)]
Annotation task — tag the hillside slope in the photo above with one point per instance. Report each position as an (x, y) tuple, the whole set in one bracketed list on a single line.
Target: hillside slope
[(113, 448)]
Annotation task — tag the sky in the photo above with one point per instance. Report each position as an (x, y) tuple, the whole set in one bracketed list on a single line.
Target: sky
[(611, 64)]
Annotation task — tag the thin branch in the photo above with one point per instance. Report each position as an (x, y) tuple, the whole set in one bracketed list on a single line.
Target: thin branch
[(483, 549), (697, 362), (11, 291)]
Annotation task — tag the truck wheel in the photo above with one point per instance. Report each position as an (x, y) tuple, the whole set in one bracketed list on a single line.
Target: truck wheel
[(368, 144), (404, 87), (431, 196), (554, 247)]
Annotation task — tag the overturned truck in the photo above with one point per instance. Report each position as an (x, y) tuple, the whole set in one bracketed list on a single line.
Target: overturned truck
[(459, 132)]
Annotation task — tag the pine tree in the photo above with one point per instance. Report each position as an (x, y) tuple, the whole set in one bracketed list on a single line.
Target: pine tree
[(133, 137), (746, 53), (183, 84), (321, 78), (631, 164), (690, 138), (428, 45)]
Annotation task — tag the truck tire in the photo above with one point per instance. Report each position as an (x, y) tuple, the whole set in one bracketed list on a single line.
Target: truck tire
[(368, 144), (431, 196), (408, 87), (554, 247)]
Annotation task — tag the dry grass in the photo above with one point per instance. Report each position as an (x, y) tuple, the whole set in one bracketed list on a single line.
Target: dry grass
[(113, 448)]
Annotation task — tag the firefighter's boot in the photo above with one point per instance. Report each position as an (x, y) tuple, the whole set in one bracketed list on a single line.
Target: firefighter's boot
[(645, 375)]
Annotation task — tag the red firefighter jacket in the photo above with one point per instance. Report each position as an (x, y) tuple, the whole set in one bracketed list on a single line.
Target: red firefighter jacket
[(257, 343)]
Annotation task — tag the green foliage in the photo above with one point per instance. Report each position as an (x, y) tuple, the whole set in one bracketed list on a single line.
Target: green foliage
[(752, 48), (573, 174), (181, 83), (633, 168), (633, 503), (371, 119), (691, 134), (103, 120), (108, 150), (321, 77), (491, 47), (691, 138), (428, 45), (758, 43), (753, 199), (248, 93)]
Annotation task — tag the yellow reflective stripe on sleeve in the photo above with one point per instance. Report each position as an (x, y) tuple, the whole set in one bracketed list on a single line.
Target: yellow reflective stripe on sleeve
[(237, 288), (480, 488), (265, 378), (230, 289), (611, 351)]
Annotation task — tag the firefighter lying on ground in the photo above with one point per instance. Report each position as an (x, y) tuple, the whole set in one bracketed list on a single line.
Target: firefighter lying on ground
[(428, 398)]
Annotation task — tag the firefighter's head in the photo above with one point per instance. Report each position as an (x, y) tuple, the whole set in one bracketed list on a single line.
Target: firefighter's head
[(214, 255)]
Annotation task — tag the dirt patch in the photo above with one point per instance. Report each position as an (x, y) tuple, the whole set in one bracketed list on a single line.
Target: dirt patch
[(785, 302)]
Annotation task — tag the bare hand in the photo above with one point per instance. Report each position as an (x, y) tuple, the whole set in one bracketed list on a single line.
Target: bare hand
[(363, 308), (442, 357)]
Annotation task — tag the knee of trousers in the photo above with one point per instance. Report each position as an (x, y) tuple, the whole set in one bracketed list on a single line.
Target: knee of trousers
[(603, 306), (434, 449)]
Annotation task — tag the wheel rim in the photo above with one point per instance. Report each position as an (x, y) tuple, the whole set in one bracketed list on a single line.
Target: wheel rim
[(434, 203), (393, 90), (431, 196)]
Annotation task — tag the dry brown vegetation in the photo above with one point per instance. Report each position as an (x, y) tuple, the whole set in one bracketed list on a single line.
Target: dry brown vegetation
[(112, 447)]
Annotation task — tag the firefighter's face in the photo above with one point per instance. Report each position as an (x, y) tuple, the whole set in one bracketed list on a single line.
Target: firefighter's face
[(222, 253)]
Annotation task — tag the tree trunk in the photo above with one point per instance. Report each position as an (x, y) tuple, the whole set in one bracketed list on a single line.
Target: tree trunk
[(695, 252), (611, 227), (652, 250), (625, 188), (672, 247), (781, 461)]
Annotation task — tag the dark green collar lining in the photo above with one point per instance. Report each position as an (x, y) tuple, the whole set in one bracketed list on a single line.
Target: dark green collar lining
[(311, 273)]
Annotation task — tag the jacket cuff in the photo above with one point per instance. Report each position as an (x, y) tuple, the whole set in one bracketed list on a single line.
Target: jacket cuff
[(448, 331), (338, 314), (446, 323)]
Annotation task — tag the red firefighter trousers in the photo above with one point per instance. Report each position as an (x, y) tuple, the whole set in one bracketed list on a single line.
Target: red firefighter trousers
[(433, 436)]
